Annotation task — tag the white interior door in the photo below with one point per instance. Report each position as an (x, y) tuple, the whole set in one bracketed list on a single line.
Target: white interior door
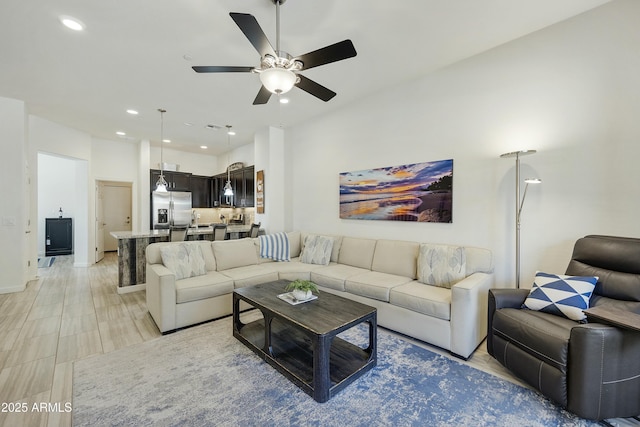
[(99, 226), (116, 205)]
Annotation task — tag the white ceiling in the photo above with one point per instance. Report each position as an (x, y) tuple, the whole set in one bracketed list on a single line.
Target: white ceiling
[(132, 55)]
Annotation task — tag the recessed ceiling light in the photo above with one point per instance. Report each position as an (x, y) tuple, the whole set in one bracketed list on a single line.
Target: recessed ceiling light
[(284, 100), (231, 133), (188, 124), (120, 133), (132, 112), (168, 141), (72, 23), (204, 147)]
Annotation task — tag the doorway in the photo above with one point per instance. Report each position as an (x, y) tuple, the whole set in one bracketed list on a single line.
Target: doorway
[(113, 213)]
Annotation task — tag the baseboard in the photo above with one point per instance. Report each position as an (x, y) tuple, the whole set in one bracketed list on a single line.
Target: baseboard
[(13, 289), (132, 288)]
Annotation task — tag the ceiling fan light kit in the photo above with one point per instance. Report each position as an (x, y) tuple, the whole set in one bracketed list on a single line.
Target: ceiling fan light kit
[(278, 80), (279, 72)]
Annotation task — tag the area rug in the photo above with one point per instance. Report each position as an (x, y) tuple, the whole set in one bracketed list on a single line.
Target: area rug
[(202, 376), (46, 262)]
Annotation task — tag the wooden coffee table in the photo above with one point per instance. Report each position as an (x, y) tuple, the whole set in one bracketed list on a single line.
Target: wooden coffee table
[(300, 340)]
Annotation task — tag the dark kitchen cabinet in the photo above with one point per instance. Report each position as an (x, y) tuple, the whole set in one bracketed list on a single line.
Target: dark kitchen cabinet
[(208, 192), (242, 182), (176, 181), (200, 191), (59, 236), (216, 191), (249, 186)]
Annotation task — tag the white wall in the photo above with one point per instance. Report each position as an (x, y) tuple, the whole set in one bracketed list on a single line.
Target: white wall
[(197, 164), (570, 91), (243, 153), (271, 157), (14, 215)]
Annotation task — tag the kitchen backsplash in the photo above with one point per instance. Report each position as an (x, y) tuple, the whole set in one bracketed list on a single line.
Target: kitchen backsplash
[(213, 215)]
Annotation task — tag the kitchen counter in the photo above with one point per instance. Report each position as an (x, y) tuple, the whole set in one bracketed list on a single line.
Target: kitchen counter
[(132, 247), (234, 232)]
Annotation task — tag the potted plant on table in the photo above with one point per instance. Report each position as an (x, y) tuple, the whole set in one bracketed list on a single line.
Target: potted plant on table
[(301, 289)]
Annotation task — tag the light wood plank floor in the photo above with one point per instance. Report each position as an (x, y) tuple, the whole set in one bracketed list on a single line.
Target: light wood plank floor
[(66, 315), (71, 313)]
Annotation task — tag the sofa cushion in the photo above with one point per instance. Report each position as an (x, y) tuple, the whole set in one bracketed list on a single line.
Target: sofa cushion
[(334, 275), (295, 244), (275, 246), (234, 253), (357, 252), (183, 260), (479, 260), (250, 275), (430, 300), (561, 295), (441, 265), (209, 285), (373, 284), (317, 250), (292, 270), (396, 257)]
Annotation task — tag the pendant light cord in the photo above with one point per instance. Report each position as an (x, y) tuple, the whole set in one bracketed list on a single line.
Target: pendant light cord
[(162, 111)]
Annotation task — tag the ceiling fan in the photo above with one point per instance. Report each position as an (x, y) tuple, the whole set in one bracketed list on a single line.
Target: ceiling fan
[(278, 70)]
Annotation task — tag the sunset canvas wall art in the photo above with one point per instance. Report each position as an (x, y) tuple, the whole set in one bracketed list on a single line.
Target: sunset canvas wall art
[(420, 192)]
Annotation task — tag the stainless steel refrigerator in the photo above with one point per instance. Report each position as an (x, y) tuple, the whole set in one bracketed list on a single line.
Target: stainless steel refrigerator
[(170, 208)]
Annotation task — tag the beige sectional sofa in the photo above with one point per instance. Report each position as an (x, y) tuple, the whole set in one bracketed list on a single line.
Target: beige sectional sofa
[(381, 273)]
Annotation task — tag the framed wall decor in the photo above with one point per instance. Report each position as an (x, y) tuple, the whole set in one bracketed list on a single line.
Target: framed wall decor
[(260, 192), (420, 192)]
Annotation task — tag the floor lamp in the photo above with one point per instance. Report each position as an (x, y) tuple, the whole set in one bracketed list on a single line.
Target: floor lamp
[(520, 203)]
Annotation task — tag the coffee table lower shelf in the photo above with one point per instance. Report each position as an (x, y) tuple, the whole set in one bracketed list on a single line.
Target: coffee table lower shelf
[(291, 353)]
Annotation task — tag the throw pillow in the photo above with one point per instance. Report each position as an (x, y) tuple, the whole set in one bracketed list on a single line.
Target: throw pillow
[(275, 247), (561, 295), (317, 250), (196, 260), (176, 259), (441, 265), (184, 260)]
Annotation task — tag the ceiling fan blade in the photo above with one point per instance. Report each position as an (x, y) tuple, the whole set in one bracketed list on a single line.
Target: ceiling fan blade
[(252, 30), (222, 69), (262, 97), (326, 55), (315, 89)]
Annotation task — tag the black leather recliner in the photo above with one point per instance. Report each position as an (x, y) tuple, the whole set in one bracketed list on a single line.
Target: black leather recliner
[(591, 369)]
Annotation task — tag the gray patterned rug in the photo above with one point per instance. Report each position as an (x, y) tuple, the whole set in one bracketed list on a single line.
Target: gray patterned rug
[(202, 376)]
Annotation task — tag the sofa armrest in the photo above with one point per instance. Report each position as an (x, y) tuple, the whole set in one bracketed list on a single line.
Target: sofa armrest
[(469, 313), (603, 368), (502, 298), (161, 296)]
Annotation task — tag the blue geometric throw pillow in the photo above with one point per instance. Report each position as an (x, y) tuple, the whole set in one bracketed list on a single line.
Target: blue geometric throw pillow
[(561, 295)]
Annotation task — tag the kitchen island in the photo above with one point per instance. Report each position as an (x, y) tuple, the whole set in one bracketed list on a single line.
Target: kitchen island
[(132, 247)]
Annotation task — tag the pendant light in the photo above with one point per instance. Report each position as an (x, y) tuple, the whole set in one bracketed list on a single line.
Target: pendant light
[(228, 191), (161, 184)]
